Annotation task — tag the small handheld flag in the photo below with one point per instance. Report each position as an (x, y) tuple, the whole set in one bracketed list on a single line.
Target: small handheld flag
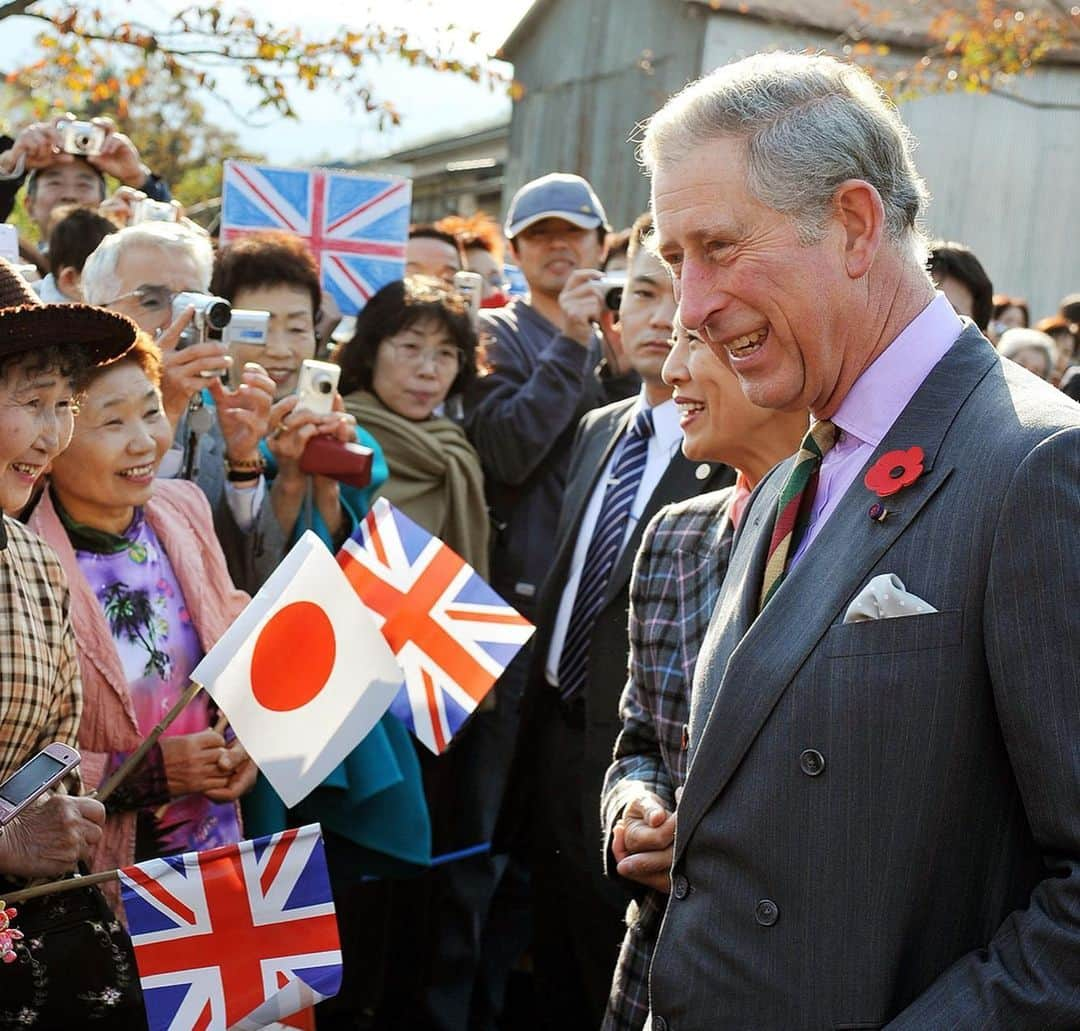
[(451, 633), (237, 937), (303, 673)]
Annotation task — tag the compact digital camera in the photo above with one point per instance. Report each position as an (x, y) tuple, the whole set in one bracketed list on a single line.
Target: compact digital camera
[(83, 138), (147, 210), (613, 285), (247, 326), (212, 315)]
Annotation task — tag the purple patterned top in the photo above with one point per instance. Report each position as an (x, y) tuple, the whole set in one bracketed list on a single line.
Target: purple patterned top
[(158, 647)]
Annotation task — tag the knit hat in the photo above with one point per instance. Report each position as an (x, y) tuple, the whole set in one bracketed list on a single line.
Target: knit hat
[(26, 323)]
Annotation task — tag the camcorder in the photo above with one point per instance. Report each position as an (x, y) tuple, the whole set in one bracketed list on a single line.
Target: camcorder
[(82, 138), (212, 315), (613, 285), (147, 210)]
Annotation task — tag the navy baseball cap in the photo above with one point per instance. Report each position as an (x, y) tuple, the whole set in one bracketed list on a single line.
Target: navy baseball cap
[(557, 195)]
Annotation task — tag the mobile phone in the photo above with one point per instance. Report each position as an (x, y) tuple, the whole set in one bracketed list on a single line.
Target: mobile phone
[(471, 286), (34, 778), (316, 386)]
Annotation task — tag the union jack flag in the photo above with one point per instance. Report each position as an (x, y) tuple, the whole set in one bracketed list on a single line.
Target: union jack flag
[(452, 634), (355, 225), (237, 937)]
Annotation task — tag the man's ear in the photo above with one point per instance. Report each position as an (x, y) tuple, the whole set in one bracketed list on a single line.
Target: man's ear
[(612, 334), (858, 207), (69, 282)]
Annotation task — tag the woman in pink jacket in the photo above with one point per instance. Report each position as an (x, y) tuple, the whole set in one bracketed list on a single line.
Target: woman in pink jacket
[(150, 594)]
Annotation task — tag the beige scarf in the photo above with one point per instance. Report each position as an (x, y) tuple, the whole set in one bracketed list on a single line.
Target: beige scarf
[(435, 476)]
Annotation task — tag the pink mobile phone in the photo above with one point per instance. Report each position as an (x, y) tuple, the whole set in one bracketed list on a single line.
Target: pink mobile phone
[(34, 778)]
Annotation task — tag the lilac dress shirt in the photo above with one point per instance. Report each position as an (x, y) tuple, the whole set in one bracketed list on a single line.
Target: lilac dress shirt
[(875, 402)]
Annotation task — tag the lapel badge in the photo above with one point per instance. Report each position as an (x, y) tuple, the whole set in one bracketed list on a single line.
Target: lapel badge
[(892, 472), (703, 471), (878, 512)]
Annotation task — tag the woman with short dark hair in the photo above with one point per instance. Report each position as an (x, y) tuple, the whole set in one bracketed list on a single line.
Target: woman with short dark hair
[(414, 348)]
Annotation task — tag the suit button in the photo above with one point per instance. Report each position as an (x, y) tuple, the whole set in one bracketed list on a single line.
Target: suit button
[(680, 887), (812, 762), (766, 913), (685, 736), (659, 1024)]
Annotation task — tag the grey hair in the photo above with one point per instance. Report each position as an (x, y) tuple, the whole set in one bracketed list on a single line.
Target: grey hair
[(100, 283), (809, 122)]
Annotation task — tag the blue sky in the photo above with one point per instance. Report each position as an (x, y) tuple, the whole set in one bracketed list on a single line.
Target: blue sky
[(428, 102)]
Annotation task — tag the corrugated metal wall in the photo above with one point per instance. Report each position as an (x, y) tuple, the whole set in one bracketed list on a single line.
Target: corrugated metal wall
[(592, 70)]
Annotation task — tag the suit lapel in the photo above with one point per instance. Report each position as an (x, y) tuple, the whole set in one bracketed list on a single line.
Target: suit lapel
[(748, 663)]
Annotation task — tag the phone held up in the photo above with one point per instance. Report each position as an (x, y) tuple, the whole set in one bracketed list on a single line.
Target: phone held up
[(34, 778), (316, 386)]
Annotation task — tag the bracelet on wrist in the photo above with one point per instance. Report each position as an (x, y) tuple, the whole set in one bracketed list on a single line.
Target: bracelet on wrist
[(246, 465)]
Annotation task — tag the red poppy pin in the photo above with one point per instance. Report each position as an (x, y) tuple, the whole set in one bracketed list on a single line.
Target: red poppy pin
[(894, 471)]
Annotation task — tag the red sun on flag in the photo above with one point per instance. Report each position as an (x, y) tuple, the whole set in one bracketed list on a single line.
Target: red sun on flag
[(293, 657)]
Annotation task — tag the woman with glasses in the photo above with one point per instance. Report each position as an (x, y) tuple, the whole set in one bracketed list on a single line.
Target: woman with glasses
[(414, 348)]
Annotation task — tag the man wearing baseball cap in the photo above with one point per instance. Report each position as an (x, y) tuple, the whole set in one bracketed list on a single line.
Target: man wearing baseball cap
[(544, 352)]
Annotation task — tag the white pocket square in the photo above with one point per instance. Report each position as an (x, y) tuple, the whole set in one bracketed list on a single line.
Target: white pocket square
[(885, 597)]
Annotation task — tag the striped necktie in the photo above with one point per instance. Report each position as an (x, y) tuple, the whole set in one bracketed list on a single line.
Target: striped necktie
[(793, 508), (604, 548)]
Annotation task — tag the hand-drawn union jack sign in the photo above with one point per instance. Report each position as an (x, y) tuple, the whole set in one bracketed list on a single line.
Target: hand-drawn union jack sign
[(356, 225)]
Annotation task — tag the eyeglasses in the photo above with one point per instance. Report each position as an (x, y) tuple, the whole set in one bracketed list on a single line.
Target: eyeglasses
[(149, 297), (414, 356)]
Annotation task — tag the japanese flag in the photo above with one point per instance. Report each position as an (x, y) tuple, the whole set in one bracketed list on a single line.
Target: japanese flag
[(303, 674)]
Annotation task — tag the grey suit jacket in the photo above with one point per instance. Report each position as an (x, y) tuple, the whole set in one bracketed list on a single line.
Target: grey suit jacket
[(881, 820)]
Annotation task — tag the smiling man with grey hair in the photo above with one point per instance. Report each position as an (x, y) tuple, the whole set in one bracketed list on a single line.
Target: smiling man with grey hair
[(879, 824)]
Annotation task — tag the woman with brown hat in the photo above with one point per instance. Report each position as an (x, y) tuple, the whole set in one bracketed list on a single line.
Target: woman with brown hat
[(74, 966)]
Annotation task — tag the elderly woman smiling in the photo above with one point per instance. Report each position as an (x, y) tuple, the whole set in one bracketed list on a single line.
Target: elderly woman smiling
[(150, 594), (74, 967)]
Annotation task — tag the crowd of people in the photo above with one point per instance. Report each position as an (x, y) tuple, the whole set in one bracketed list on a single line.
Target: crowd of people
[(603, 453)]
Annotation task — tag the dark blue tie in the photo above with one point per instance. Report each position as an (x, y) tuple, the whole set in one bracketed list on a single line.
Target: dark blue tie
[(604, 548)]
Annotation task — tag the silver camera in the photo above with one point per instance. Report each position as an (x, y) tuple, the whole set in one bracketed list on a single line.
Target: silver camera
[(613, 285), (247, 327), (471, 286), (212, 315), (147, 210), (83, 138)]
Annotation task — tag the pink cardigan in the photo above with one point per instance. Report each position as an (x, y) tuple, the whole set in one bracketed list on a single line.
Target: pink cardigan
[(180, 516)]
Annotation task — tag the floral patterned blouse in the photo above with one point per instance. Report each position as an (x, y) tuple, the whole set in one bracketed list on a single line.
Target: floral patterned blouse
[(158, 647)]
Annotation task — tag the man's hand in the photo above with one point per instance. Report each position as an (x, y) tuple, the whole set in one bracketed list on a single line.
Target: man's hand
[(38, 145), (193, 762), (582, 302), (643, 841), (48, 838), (182, 372), (244, 413), (119, 156)]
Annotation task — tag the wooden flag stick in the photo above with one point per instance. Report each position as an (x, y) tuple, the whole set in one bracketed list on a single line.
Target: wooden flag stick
[(131, 763), (55, 887)]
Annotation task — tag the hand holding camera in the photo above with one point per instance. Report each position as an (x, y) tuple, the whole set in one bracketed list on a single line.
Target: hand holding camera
[(185, 370), (244, 412), (582, 302)]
